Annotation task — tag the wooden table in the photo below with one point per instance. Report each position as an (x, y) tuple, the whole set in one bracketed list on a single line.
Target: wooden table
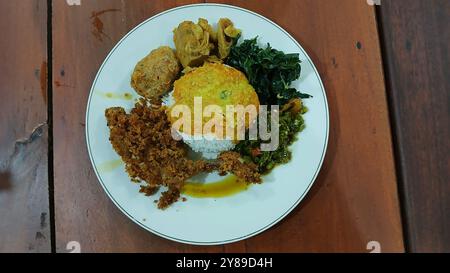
[(385, 176)]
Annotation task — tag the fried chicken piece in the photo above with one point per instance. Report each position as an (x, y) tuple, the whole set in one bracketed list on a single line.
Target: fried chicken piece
[(175, 172), (148, 190), (144, 141), (116, 121), (231, 162), (168, 198)]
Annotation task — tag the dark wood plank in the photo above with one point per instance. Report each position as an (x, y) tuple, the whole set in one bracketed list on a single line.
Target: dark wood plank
[(354, 199), (24, 210), (416, 39)]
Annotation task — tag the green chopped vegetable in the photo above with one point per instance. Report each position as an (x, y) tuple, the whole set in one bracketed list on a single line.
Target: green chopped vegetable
[(268, 70), (291, 123)]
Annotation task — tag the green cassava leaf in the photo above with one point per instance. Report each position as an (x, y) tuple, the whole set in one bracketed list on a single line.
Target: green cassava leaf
[(268, 70)]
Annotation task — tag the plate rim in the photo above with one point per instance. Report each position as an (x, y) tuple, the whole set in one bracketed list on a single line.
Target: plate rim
[(251, 234)]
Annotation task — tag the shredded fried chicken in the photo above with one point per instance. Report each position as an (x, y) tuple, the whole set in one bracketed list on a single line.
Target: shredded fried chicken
[(231, 162), (144, 141)]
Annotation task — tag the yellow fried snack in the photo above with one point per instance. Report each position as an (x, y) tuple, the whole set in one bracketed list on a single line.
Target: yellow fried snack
[(207, 27), (153, 75), (225, 34), (214, 59), (191, 43)]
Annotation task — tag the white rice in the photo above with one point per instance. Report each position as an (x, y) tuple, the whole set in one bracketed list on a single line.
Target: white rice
[(209, 146)]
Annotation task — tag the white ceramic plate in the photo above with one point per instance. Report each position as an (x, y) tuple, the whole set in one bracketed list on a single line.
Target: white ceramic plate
[(206, 221)]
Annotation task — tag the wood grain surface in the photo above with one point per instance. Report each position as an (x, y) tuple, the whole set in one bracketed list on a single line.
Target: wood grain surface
[(416, 39), (24, 211), (354, 199)]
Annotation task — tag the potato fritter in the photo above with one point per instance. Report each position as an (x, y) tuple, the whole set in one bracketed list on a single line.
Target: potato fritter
[(154, 74)]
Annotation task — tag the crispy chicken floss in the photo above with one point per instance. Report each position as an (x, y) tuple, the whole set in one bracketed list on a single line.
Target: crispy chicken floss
[(144, 142), (143, 139)]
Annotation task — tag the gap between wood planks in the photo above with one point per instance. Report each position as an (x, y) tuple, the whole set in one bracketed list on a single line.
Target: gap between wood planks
[(393, 126), (50, 125)]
